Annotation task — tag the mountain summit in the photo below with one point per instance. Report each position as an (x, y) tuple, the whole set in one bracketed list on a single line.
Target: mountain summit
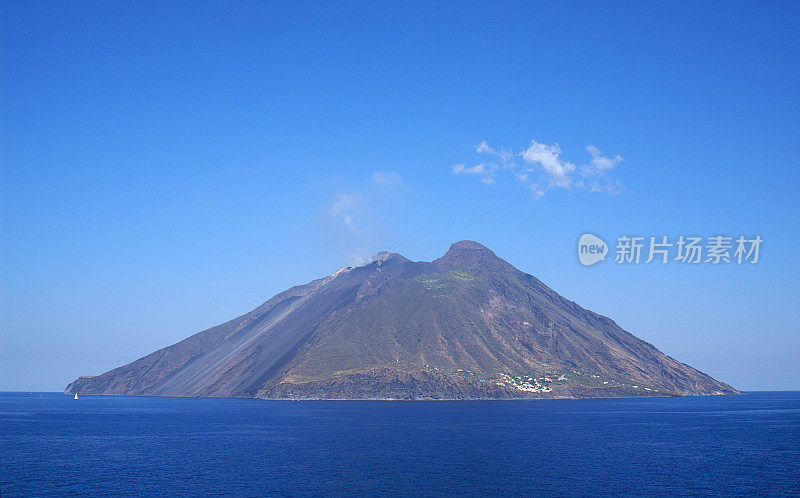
[(466, 326)]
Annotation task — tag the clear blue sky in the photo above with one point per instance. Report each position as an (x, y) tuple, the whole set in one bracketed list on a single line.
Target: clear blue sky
[(168, 166)]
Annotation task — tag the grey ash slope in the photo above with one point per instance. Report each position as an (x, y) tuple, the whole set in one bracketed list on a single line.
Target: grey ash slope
[(467, 325)]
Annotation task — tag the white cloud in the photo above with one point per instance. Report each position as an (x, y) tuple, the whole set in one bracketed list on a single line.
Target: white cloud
[(354, 218), (503, 154), (356, 257), (344, 208), (547, 158), (460, 169), (483, 147), (610, 187), (386, 178), (536, 191), (542, 168), (600, 163)]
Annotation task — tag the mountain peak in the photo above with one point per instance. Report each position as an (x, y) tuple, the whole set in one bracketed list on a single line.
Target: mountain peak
[(384, 256), (470, 254), (468, 245)]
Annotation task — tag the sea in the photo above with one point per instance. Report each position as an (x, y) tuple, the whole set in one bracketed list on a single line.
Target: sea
[(52, 444)]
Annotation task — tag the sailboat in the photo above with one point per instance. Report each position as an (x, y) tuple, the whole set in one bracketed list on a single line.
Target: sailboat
[(76, 396)]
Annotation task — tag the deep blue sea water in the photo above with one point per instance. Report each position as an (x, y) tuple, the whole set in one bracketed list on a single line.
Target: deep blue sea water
[(730, 445)]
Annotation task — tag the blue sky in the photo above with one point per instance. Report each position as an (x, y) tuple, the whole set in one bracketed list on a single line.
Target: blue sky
[(167, 167)]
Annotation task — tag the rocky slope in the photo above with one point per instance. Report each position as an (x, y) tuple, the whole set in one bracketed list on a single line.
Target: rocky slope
[(467, 325)]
